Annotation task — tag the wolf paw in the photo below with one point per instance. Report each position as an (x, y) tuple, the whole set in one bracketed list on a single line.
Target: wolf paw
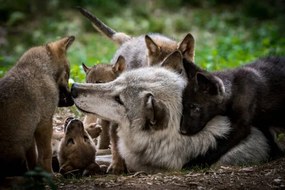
[(117, 168)]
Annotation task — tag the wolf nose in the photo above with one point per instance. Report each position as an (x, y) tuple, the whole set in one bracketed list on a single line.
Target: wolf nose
[(181, 129), (183, 132), (74, 92)]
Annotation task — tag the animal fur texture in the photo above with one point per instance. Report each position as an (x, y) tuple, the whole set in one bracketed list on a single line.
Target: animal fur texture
[(29, 95), (147, 105), (144, 50), (141, 51), (251, 95), (77, 150), (102, 73)]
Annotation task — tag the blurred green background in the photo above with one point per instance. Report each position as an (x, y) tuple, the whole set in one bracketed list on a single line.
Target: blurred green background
[(228, 33)]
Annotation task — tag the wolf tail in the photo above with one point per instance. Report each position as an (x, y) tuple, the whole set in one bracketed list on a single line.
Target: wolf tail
[(117, 37)]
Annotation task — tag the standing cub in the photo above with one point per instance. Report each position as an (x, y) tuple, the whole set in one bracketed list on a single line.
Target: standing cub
[(29, 95)]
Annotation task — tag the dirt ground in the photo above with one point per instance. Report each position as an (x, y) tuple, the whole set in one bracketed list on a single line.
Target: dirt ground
[(270, 175)]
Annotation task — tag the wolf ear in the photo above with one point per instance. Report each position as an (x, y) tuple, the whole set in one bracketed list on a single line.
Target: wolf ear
[(187, 47), (85, 68), (209, 84), (174, 61), (120, 65), (59, 47), (191, 69), (153, 48), (156, 113)]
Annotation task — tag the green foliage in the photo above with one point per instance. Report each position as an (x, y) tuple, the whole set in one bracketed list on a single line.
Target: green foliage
[(225, 38), (37, 179), (281, 137)]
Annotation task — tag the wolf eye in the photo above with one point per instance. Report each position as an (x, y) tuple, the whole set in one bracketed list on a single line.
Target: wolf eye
[(118, 99), (99, 81)]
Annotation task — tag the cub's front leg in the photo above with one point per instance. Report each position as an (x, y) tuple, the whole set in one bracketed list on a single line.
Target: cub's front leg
[(117, 165)]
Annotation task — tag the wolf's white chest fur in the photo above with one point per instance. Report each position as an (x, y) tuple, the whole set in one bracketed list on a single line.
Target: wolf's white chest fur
[(168, 149)]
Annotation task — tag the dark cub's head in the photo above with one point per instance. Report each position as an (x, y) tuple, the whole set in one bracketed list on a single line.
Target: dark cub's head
[(202, 98)]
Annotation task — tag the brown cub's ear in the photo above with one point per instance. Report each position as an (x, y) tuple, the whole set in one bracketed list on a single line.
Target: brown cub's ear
[(85, 68), (153, 48), (156, 114), (187, 47), (120, 65), (208, 84), (60, 46), (174, 61)]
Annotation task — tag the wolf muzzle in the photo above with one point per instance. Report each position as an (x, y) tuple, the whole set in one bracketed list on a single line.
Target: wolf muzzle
[(74, 92), (65, 99)]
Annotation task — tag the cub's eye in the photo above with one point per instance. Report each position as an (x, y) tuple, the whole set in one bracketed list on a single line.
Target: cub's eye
[(118, 99), (195, 108), (99, 81), (70, 141)]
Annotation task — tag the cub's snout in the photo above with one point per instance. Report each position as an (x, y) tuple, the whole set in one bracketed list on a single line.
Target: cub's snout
[(74, 91)]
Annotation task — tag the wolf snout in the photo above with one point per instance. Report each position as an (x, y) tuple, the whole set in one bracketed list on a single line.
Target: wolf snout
[(182, 130), (74, 92)]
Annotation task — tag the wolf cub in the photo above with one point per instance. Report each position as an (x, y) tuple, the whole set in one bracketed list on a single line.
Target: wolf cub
[(252, 95), (102, 73), (77, 150), (29, 95)]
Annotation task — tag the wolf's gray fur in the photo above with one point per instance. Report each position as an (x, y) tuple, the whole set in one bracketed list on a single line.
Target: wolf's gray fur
[(142, 50), (135, 50), (146, 103), (254, 149)]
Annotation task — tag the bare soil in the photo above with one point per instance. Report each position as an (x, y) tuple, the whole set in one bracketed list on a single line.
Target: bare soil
[(270, 175)]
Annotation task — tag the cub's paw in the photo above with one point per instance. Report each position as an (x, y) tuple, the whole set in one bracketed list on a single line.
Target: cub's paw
[(94, 130)]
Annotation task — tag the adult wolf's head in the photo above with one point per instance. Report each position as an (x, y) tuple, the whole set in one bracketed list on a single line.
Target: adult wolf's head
[(145, 98), (202, 98)]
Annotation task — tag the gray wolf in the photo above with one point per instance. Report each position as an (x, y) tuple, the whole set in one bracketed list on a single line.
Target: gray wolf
[(29, 95), (253, 94), (144, 50), (141, 51), (147, 105), (77, 150)]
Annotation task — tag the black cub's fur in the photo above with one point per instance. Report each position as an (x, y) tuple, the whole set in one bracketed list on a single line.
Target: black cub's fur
[(252, 95)]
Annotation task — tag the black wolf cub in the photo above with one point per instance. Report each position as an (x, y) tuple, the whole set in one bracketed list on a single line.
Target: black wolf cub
[(252, 95)]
